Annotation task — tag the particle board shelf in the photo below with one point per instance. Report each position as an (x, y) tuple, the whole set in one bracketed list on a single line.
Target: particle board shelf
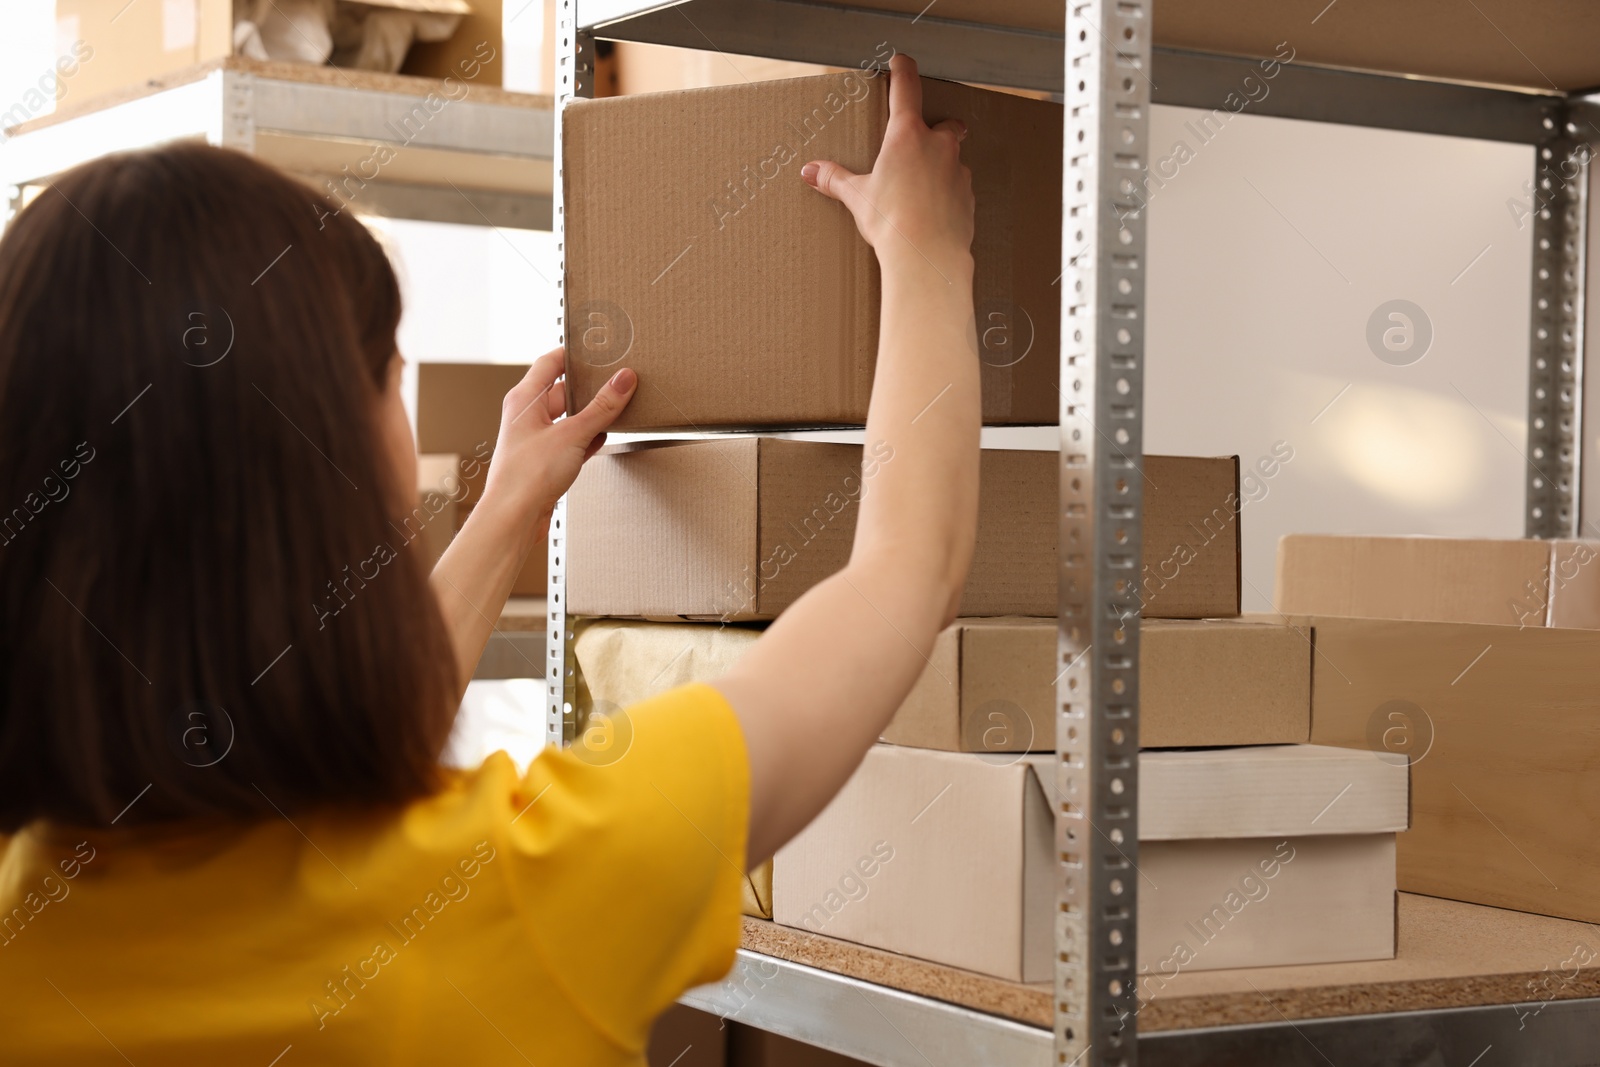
[(388, 144), (1451, 955)]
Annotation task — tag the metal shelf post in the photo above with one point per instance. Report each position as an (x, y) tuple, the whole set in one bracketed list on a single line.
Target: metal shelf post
[(1107, 113), (1558, 203), (574, 51)]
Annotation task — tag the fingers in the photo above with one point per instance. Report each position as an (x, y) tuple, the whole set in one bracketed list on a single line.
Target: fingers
[(535, 387), (596, 445), (955, 127), (603, 410), (905, 89), (555, 401), (831, 180)]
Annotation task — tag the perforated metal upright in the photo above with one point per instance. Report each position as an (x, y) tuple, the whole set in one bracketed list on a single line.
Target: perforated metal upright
[(1559, 207), (574, 78), (1102, 390)]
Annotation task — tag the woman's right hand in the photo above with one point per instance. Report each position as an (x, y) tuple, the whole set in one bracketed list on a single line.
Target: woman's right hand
[(917, 200)]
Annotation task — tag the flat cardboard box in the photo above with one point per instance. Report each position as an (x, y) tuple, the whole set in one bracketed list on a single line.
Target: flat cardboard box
[(990, 686), (1441, 579), (951, 858), (1502, 724), (746, 299), (738, 529)]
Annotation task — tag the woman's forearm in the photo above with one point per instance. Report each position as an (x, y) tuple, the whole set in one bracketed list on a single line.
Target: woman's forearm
[(925, 412), (473, 579)]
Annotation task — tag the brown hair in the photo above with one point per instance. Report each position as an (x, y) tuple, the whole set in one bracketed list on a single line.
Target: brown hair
[(204, 604)]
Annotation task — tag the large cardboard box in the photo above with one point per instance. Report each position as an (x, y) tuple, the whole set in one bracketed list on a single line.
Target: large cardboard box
[(1502, 724), (738, 529), (746, 299), (951, 858), (1441, 579), (990, 686)]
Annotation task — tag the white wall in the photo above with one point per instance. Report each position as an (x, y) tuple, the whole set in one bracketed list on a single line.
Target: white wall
[(1269, 251)]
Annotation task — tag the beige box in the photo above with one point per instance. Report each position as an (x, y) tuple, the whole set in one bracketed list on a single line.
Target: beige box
[(951, 858), (740, 528), (990, 686), (743, 297), (1441, 579), (1502, 724), (458, 411), (124, 45)]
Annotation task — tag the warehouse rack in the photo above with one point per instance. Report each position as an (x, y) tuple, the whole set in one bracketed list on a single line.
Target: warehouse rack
[(1112, 61), (389, 144)]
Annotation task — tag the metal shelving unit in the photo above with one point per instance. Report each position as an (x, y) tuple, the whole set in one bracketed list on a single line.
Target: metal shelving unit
[(1111, 66), (482, 157)]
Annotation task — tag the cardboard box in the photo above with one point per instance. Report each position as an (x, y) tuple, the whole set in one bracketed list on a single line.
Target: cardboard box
[(458, 410), (125, 44), (746, 299), (738, 529), (990, 686), (1441, 579), (684, 1037), (1502, 724), (951, 858), (477, 46), (435, 520)]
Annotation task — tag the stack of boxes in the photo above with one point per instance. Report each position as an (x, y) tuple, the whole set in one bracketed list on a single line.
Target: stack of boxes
[(696, 256)]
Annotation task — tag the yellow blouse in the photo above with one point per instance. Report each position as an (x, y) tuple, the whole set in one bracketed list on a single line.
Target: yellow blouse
[(544, 920)]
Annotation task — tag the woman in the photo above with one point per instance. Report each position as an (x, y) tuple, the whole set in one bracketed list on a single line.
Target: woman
[(227, 684)]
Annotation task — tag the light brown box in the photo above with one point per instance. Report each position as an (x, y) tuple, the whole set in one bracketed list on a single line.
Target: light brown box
[(458, 410), (951, 857), (435, 522), (743, 297), (685, 1037), (475, 52), (738, 529), (990, 686), (1502, 724), (1441, 579), (131, 43)]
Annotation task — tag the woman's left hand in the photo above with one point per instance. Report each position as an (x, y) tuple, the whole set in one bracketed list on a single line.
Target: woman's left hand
[(539, 454)]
